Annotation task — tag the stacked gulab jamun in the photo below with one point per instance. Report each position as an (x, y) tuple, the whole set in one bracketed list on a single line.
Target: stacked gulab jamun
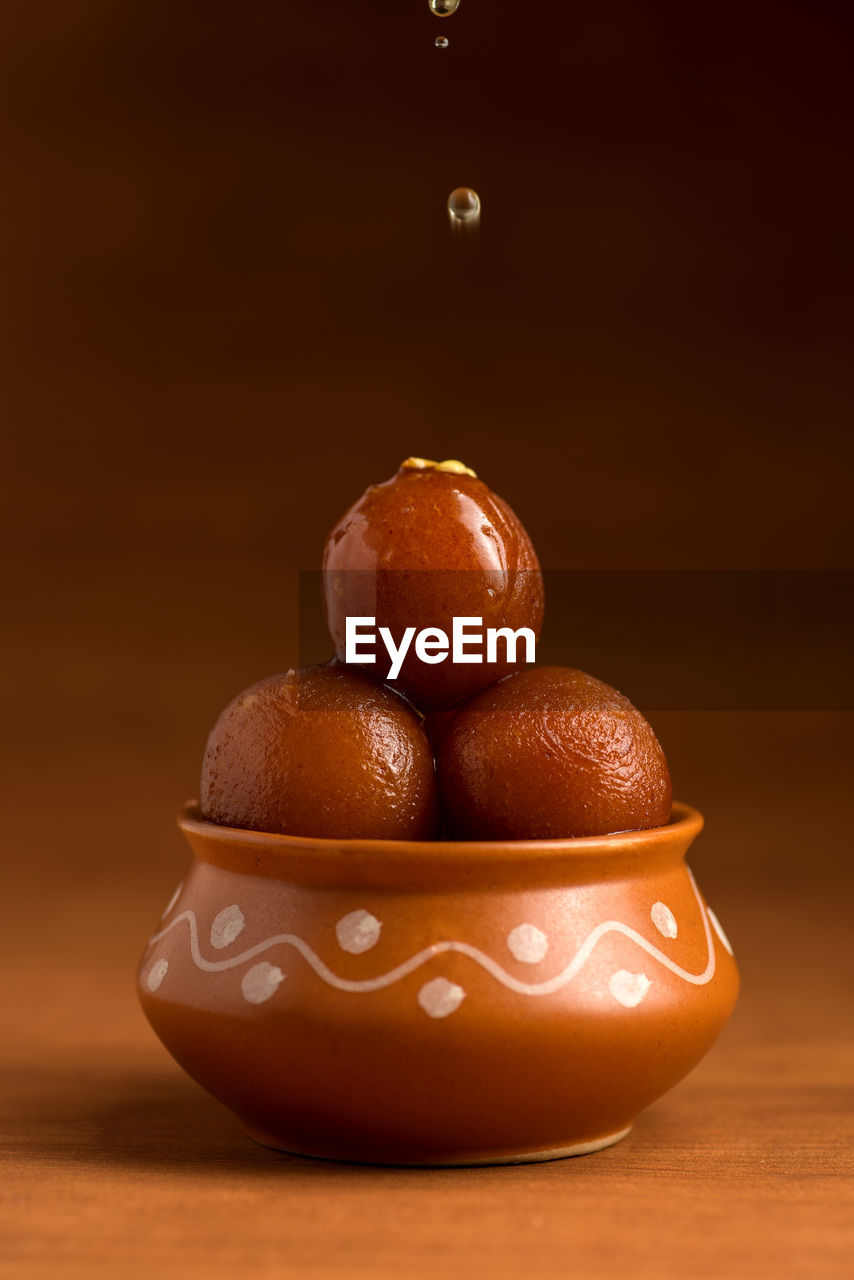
[(478, 748)]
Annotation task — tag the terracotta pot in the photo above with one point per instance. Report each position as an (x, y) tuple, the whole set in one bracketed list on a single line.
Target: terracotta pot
[(438, 1003)]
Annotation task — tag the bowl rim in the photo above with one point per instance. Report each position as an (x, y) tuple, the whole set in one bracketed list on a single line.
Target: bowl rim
[(684, 825)]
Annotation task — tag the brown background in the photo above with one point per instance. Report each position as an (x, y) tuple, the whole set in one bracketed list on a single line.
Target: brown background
[(229, 302)]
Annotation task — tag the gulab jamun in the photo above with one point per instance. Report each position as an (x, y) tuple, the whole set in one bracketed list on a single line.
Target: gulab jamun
[(324, 752), (551, 753), (432, 544)]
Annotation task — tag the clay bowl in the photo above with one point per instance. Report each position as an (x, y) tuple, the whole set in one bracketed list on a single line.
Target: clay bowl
[(438, 1003)]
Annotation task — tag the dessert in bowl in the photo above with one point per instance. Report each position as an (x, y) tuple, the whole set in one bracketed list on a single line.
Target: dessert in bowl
[(447, 920), (437, 1002)]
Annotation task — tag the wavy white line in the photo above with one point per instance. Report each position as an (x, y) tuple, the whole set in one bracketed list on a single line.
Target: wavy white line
[(501, 975)]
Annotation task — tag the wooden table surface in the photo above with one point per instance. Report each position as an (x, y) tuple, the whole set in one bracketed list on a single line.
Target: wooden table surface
[(116, 1163)]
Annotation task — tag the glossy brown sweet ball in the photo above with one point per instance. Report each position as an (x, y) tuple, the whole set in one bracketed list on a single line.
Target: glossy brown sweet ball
[(322, 751), (431, 544), (551, 753)]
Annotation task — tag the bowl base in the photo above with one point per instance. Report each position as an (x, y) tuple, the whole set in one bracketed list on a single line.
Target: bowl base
[(525, 1157)]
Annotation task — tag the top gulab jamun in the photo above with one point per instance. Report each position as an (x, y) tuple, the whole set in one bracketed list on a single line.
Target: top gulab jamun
[(551, 753), (323, 752), (431, 544)]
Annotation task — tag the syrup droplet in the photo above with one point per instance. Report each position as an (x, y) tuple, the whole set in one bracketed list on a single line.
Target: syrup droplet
[(444, 8), (441, 42), (463, 205)]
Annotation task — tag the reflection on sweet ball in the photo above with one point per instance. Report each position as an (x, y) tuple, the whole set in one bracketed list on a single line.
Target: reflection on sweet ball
[(431, 544)]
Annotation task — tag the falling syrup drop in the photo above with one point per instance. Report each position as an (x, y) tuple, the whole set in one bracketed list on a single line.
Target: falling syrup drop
[(444, 8), (441, 42), (463, 206)]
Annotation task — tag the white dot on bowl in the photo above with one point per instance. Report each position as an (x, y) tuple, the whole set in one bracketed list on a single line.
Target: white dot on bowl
[(261, 982), (156, 974), (664, 920), (629, 988), (719, 930), (226, 927), (358, 932), (440, 997), (175, 896), (528, 943)]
